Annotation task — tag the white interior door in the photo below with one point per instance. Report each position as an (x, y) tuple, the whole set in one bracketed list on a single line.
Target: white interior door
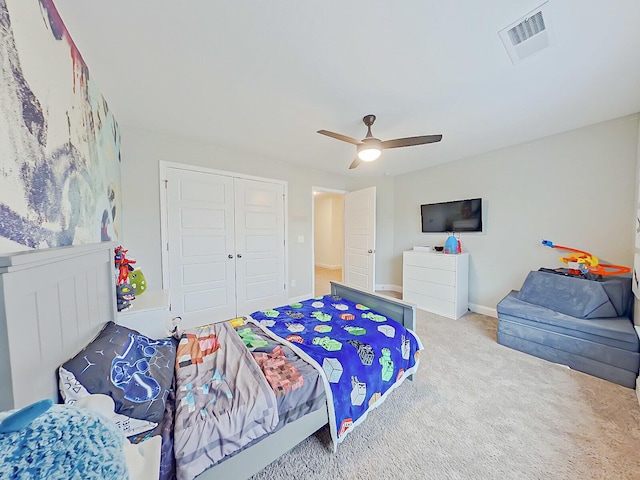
[(259, 227), (201, 250), (360, 238)]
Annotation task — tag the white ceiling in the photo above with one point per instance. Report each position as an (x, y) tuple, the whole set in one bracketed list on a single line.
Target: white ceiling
[(264, 76)]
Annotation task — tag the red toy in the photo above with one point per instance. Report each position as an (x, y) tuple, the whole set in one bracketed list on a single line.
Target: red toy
[(123, 264)]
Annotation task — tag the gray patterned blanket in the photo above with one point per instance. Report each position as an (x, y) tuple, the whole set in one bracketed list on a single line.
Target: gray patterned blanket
[(223, 400)]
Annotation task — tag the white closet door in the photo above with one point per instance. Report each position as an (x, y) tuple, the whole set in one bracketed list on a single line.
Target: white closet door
[(201, 253), (260, 276)]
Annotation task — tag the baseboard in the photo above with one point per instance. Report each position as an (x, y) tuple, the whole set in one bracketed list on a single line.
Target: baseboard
[(329, 267), (388, 288), (300, 298), (488, 311)]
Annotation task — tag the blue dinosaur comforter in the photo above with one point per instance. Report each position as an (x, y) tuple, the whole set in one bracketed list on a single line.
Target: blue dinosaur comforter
[(361, 354)]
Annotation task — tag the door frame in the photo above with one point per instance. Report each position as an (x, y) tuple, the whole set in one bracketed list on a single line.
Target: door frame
[(164, 166), (313, 232)]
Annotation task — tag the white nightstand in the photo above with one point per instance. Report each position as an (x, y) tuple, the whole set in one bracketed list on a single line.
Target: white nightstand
[(149, 314)]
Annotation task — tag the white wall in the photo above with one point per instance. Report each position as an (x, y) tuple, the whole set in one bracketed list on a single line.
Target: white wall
[(141, 152), (576, 189)]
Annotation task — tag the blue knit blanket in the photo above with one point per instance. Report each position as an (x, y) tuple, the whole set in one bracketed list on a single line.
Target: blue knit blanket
[(63, 443)]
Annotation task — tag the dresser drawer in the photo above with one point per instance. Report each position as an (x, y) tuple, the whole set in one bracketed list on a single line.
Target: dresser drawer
[(440, 261), (432, 275), (435, 305), (432, 290)]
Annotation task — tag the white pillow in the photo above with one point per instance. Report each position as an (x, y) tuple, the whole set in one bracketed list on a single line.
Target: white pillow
[(143, 459), (73, 391)]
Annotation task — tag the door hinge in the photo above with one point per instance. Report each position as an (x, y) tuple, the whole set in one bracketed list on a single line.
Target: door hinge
[(165, 184), (167, 246)]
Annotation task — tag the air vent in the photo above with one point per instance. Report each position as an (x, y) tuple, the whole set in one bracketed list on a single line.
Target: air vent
[(528, 35), (526, 29)]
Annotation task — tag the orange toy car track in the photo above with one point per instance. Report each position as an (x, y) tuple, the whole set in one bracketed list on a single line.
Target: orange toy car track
[(580, 262)]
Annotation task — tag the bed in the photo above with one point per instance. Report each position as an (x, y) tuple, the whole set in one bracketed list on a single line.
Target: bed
[(65, 295)]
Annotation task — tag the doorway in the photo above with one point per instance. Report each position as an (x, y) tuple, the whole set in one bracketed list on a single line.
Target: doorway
[(328, 238)]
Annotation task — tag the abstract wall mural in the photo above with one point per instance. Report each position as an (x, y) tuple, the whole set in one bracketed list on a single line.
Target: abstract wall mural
[(59, 143)]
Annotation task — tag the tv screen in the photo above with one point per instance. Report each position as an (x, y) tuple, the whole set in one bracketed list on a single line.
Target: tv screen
[(457, 216)]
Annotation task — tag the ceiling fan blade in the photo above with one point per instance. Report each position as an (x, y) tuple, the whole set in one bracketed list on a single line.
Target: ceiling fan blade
[(339, 136), (410, 141), (355, 163)]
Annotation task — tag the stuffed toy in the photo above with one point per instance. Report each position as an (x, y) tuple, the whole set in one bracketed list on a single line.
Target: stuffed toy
[(46, 440)]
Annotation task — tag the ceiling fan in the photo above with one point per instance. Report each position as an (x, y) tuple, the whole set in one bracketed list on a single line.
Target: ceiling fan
[(370, 147)]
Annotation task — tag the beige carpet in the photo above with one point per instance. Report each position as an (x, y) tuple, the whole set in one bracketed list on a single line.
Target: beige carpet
[(478, 410)]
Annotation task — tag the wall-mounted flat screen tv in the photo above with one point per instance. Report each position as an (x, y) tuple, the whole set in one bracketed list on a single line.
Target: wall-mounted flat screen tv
[(456, 216)]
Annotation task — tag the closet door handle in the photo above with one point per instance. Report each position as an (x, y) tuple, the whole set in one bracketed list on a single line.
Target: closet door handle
[(239, 255), (370, 251), (230, 256)]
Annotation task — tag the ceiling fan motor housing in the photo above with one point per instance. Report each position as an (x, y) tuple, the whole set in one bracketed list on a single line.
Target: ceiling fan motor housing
[(369, 119)]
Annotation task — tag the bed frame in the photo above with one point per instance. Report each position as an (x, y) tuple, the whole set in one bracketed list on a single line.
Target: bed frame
[(54, 301), (250, 461)]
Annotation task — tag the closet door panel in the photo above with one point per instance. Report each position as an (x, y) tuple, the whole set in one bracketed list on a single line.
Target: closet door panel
[(200, 227), (259, 227)]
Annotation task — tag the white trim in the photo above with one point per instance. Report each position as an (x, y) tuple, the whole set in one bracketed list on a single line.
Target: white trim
[(490, 312), (313, 231), (164, 260), (388, 288), (300, 298), (328, 267), (196, 168)]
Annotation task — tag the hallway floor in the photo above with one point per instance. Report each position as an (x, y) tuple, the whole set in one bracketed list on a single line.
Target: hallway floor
[(323, 277)]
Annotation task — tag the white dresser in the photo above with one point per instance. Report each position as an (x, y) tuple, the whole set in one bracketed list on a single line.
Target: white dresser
[(436, 282)]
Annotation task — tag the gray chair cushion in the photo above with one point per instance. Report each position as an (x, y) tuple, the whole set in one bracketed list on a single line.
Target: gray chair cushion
[(615, 332), (575, 296)]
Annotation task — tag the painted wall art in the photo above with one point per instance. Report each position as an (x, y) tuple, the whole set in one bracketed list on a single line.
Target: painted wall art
[(59, 143)]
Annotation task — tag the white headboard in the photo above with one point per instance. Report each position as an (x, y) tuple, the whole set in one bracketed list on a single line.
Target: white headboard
[(52, 303)]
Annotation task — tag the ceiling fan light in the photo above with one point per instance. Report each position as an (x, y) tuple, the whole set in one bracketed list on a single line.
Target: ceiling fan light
[(368, 153)]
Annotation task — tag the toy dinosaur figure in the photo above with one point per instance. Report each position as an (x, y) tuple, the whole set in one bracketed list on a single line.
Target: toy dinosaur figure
[(123, 264)]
